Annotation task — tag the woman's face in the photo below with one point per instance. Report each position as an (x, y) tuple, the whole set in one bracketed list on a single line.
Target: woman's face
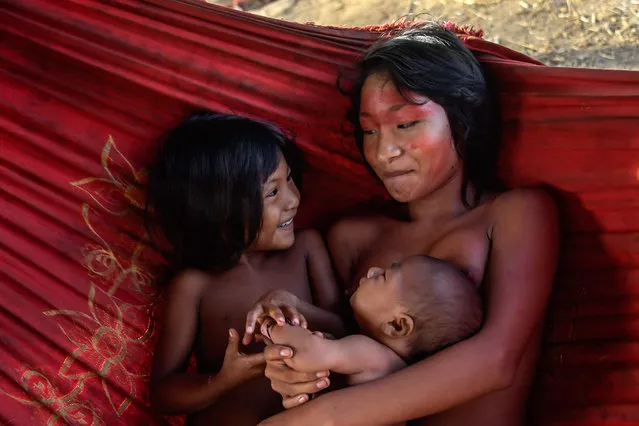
[(409, 145)]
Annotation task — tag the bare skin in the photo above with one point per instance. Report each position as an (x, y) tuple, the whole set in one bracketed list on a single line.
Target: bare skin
[(508, 244), (203, 311), (359, 357), (451, 242)]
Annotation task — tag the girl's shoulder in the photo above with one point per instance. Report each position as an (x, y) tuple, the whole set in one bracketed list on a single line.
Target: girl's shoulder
[(189, 284), (308, 236), (309, 240)]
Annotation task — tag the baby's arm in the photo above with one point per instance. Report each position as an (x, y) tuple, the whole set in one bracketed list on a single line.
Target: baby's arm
[(358, 356)]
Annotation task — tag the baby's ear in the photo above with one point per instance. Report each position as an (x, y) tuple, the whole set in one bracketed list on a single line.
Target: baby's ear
[(401, 326)]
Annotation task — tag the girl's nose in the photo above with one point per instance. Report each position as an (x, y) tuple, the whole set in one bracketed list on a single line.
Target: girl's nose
[(293, 200)]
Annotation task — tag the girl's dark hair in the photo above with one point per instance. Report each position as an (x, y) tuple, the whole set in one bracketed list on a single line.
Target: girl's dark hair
[(205, 189), (433, 62)]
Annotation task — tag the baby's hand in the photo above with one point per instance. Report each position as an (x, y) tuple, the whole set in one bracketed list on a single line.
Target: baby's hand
[(279, 305), (237, 366), (312, 352), (268, 323)]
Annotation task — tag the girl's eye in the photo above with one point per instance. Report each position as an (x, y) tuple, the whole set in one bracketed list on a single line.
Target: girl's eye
[(369, 132), (407, 125), (273, 193), (289, 177)]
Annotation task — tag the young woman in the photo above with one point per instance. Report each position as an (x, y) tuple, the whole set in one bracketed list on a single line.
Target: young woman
[(422, 116)]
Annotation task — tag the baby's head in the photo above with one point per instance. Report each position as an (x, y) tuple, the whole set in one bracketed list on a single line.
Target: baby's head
[(221, 185), (418, 306)]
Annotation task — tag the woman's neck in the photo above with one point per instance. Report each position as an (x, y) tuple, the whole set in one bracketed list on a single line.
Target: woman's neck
[(443, 203)]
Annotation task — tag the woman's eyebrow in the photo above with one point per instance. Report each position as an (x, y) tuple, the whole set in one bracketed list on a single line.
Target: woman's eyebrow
[(397, 107), (392, 108)]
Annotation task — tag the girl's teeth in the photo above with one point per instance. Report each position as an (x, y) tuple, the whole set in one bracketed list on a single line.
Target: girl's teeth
[(288, 222)]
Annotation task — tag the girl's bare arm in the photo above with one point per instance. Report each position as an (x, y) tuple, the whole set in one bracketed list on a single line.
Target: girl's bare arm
[(172, 391)]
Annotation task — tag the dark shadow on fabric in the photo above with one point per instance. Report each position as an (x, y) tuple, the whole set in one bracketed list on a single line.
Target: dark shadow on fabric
[(557, 369)]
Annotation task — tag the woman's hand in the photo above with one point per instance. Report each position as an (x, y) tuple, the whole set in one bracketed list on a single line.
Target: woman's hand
[(279, 305), (237, 366), (295, 387)]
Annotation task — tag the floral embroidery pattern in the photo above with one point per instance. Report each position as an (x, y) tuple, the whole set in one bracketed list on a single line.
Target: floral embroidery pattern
[(111, 337), (60, 408)]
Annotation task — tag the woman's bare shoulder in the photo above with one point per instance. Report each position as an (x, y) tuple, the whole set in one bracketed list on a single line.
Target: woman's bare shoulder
[(531, 206), (357, 224), (524, 197), (357, 231)]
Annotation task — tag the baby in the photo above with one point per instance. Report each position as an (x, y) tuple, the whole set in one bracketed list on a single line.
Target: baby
[(406, 312)]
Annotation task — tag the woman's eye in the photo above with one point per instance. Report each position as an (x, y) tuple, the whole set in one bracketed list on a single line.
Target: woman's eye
[(273, 193), (369, 132), (407, 125), (289, 177)]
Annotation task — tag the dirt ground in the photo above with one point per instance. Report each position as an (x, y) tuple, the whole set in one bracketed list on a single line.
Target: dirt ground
[(577, 33)]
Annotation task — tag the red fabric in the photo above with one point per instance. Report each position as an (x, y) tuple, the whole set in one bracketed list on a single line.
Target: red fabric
[(88, 86)]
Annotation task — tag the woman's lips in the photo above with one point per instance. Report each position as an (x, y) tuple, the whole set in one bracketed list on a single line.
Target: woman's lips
[(390, 175)]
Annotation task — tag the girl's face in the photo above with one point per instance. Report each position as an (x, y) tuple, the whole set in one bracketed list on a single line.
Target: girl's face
[(281, 199), (409, 145)]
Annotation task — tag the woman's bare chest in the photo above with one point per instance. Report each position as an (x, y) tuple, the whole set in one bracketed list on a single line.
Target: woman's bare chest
[(465, 243)]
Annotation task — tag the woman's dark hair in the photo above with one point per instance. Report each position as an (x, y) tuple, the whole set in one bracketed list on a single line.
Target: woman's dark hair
[(205, 189), (433, 62)]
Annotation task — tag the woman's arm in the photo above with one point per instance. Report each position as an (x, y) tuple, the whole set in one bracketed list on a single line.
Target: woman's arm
[(520, 274), (172, 391)]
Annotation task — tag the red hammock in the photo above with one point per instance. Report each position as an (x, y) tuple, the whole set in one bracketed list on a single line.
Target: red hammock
[(88, 86)]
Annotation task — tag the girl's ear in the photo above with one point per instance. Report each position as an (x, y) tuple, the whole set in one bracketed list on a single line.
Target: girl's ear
[(401, 326)]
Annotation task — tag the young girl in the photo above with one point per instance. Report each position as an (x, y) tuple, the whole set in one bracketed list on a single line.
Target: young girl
[(222, 193)]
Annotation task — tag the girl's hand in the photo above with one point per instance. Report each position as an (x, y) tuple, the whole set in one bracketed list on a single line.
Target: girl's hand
[(280, 305), (239, 367)]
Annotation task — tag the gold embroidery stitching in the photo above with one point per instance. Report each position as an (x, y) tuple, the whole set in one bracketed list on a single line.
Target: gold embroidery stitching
[(107, 345)]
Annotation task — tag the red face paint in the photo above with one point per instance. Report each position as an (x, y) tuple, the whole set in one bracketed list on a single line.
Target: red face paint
[(403, 136)]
